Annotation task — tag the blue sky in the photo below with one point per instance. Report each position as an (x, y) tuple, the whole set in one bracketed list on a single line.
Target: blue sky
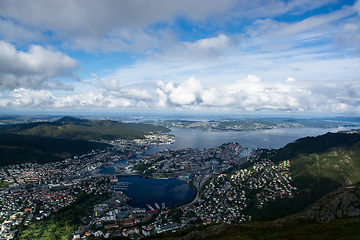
[(231, 56)]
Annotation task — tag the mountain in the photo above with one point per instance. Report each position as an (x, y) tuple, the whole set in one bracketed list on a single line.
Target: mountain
[(18, 148), (344, 202), (335, 216), (44, 142), (73, 128), (319, 165)]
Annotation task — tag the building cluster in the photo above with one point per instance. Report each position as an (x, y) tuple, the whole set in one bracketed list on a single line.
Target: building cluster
[(269, 180), (35, 190), (221, 202), (22, 204), (224, 197), (228, 125), (140, 146), (173, 163), (114, 218)]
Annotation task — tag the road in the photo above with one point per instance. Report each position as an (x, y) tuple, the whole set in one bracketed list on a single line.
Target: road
[(199, 187)]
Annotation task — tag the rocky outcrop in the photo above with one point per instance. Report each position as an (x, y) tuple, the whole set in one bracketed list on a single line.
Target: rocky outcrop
[(341, 203)]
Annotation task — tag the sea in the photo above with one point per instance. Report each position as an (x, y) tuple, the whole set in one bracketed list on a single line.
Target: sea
[(147, 191)]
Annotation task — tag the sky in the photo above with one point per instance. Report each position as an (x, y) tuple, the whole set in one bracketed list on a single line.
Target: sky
[(196, 56)]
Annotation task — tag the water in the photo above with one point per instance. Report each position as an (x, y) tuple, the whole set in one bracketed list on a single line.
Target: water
[(272, 138), (144, 191)]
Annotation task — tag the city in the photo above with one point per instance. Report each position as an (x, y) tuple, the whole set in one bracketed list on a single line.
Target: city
[(34, 192)]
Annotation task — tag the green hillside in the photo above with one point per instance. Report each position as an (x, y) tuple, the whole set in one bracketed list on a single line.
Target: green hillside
[(319, 165), (347, 228), (72, 128), (335, 216), (317, 145), (17, 148)]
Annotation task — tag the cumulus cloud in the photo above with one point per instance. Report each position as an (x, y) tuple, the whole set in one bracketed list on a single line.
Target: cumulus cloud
[(184, 94), (25, 98), (249, 94), (38, 68)]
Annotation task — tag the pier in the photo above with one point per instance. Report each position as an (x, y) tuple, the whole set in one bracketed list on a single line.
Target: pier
[(150, 207)]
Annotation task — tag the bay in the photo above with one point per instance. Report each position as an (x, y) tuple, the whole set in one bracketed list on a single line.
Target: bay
[(143, 191)]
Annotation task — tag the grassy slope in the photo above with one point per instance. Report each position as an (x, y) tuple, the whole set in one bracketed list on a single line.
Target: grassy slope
[(348, 228)]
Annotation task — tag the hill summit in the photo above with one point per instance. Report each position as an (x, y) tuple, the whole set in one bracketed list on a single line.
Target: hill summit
[(73, 121)]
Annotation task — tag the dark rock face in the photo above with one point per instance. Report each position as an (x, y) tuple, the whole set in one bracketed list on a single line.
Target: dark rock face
[(338, 204)]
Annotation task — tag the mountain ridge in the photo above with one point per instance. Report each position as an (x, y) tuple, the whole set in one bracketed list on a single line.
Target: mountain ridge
[(73, 128)]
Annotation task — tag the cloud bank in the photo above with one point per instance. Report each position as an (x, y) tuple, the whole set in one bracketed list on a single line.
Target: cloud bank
[(246, 95)]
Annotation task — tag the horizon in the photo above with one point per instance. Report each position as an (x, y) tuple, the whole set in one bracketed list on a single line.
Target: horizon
[(234, 57), (141, 117)]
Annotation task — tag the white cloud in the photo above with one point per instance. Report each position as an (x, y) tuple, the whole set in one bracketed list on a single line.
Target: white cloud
[(349, 37), (112, 84), (357, 6), (206, 48), (250, 94), (107, 25), (104, 26), (136, 93), (184, 94), (162, 102), (223, 42), (11, 32), (267, 33), (290, 79), (22, 98), (38, 68)]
